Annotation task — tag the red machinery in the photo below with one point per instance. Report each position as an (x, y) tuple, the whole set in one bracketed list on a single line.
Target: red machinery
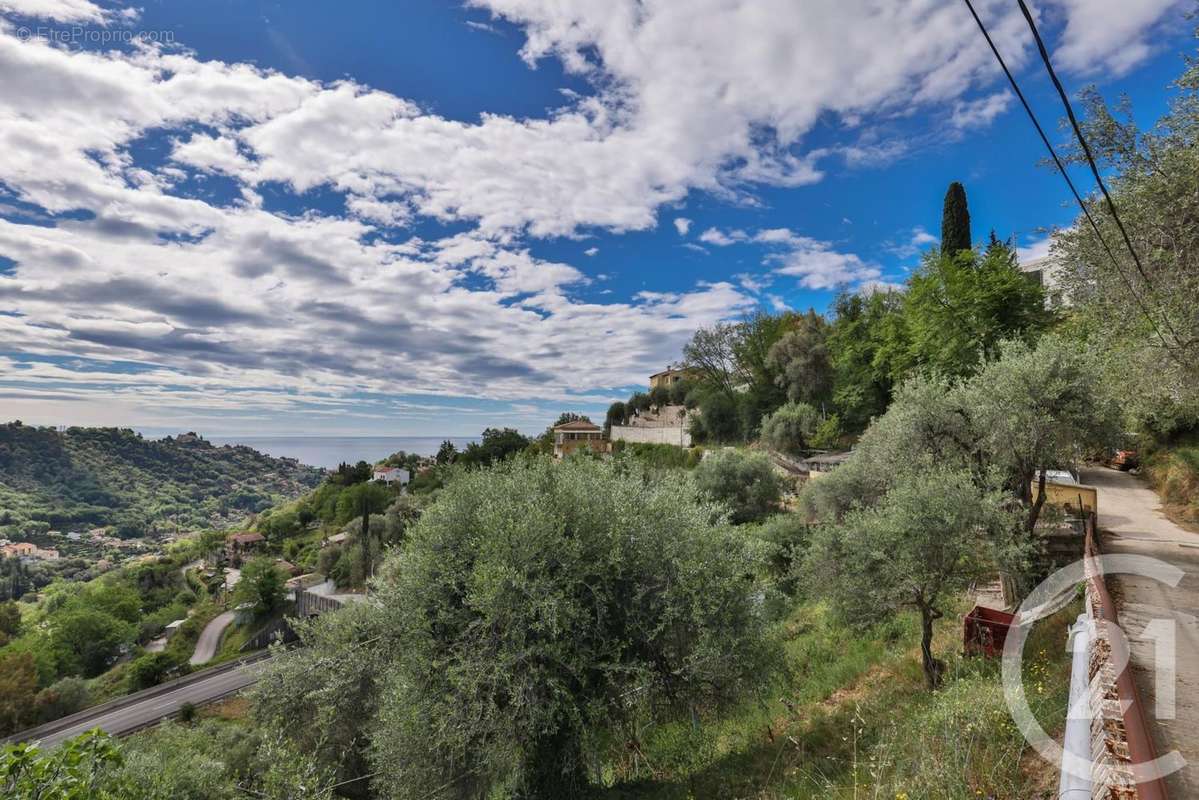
[(985, 631)]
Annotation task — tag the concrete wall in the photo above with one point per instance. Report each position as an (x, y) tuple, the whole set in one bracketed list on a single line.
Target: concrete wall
[(676, 435)]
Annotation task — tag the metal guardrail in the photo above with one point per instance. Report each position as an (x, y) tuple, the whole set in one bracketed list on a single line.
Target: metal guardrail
[(1140, 747), (94, 712)]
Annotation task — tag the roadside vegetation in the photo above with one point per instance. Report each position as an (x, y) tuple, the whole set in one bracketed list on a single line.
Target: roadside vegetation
[(81, 643)]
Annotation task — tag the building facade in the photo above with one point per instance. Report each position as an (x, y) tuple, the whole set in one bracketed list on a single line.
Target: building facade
[(577, 435)]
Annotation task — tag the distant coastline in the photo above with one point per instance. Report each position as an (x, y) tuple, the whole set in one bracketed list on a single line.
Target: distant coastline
[(329, 451)]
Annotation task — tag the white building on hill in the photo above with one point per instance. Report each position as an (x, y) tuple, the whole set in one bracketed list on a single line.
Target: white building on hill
[(393, 475)]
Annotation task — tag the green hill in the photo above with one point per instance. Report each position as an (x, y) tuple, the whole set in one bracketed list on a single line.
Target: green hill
[(90, 477)]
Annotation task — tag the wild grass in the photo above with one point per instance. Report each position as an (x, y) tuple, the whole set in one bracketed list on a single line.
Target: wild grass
[(853, 719), (1174, 473)]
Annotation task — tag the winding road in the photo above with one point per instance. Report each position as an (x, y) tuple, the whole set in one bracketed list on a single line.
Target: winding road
[(1132, 522), (210, 638), (143, 709)]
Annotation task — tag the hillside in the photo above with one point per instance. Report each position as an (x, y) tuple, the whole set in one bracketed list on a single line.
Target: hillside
[(89, 477)]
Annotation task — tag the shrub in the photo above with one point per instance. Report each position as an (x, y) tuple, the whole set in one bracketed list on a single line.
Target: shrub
[(743, 482), (787, 535), (149, 670), (718, 421), (62, 698), (791, 428)]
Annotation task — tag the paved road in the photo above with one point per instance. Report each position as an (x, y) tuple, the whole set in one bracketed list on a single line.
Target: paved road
[(1131, 518), (210, 638), (121, 721)]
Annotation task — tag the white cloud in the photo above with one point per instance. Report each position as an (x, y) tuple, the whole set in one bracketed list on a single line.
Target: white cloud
[(57, 10), (980, 113), (817, 264), (1112, 35), (912, 243), (591, 251), (228, 305), (211, 154), (1034, 249), (682, 225), (719, 238)]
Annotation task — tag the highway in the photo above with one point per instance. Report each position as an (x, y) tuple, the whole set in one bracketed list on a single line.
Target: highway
[(132, 713)]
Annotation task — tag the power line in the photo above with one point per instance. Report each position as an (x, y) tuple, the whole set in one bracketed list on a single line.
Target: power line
[(1086, 149), (1062, 169)]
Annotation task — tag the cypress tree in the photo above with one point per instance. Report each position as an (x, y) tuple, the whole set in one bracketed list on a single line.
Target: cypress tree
[(955, 221)]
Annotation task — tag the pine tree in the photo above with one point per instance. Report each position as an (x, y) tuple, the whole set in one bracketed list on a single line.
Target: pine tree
[(955, 221)]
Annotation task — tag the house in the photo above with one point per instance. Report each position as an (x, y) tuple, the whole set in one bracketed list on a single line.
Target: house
[(572, 436), (239, 545), (336, 538), (172, 628), (288, 567), (1048, 272), (672, 375), (393, 475), (18, 550), (821, 465)]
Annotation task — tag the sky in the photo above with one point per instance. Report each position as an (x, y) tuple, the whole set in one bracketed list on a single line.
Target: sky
[(425, 218)]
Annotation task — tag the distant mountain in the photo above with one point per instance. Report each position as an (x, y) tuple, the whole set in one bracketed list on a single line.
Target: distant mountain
[(92, 477)]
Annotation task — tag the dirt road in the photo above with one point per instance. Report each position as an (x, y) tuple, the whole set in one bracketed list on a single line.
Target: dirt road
[(1131, 520)]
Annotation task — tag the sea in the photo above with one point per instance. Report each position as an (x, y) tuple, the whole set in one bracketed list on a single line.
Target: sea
[(329, 451)]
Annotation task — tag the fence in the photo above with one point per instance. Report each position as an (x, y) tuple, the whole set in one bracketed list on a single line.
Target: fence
[(1120, 737)]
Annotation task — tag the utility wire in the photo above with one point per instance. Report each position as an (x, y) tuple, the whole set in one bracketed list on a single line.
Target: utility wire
[(1086, 149), (1062, 169)]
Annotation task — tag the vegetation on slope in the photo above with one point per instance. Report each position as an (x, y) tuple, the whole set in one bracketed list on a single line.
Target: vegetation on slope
[(112, 477)]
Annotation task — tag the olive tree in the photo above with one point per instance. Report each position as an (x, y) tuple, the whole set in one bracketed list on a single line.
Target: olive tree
[(743, 482), (791, 428), (1142, 311), (1039, 408), (538, 615), (932, 533)]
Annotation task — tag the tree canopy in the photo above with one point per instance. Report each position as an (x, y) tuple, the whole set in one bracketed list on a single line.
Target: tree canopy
[(537, 610)]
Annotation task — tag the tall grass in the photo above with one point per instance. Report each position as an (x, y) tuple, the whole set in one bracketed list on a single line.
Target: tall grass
[(1174, 473), (852, 719)]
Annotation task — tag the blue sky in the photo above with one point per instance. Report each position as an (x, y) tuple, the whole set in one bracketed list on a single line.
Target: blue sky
[(424, 218)]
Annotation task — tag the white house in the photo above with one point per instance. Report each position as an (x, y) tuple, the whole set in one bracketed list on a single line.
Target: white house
[(393, 475)]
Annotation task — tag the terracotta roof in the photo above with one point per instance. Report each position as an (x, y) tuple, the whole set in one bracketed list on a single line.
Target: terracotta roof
[(247, 538), (578, 425)]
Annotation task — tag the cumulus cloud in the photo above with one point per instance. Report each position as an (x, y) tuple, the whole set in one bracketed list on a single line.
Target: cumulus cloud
[(217, 295), (980, 113), (913, 243), (719, 238), (58, 10), (1110, 35), (816, 264)]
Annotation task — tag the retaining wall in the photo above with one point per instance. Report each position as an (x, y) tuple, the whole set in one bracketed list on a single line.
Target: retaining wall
[(676, 435)]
